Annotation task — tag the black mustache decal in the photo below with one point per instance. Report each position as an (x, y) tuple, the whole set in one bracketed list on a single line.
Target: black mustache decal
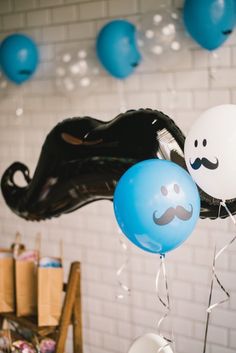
[(171, 213), (205, 162), (82, 160), (227, 32), (25, 72)]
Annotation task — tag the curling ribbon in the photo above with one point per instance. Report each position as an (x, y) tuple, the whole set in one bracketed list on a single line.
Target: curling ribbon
[(165, 303), (212, 68), (124, 288), (215, 277)]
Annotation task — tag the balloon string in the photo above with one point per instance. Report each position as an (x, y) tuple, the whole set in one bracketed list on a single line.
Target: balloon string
[(165, 302), (124, 288), (216, 278)]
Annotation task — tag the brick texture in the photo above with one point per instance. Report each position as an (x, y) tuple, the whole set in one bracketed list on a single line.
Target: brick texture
[(181, 85)]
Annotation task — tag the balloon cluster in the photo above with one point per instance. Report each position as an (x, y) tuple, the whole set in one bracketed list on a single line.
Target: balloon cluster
[(118, 44), (154, 198), (157, 204), (75, 70)]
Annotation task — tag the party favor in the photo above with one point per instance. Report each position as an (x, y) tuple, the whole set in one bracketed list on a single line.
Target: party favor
[(50, 286), (6, 281), (26, 283)]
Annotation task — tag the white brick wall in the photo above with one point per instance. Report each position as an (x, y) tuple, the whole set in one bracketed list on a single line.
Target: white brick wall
[(182, 86)]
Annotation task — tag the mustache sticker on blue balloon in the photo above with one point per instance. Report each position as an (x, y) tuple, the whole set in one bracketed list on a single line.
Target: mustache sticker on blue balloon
[(156, 205)]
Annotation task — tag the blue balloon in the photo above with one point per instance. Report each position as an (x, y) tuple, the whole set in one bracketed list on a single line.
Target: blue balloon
[(156, 205), (117, 48), (18, 57), (209, 22)]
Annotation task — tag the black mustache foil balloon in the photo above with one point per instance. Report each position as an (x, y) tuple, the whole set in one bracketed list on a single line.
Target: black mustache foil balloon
[(82, 160)]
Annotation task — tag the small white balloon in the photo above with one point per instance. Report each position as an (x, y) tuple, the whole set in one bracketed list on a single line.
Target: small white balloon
[(19, 111), (168, 30), (150, 343), (157, 49), (149, 34), (75, 69), (66, 58), (82, 54), (157, 19), (85, 82), (175, 16), (175, 45), (210, 151)]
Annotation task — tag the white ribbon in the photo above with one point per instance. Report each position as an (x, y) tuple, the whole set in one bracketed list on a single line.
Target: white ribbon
[(216, 278), (124, 287), (165, 303)]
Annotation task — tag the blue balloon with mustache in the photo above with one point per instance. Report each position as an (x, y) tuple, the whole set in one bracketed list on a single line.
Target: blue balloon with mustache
[(157, 205), (117, 49), (18, 57), (209, 22)]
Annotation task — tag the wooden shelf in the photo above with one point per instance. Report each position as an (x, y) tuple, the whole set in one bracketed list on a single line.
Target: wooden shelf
[(71, 314), (30, 322)]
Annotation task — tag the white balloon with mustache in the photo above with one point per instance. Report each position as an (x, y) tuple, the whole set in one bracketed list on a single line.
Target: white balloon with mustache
[(210, 151), (150, 343)]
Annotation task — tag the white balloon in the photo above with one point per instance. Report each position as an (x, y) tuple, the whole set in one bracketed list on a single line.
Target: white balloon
[(76, 70), (160, 32), (150, 343), (210, 151)]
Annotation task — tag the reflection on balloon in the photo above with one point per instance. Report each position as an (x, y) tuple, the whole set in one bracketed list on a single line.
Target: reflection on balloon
[(156, 205), (76, 70), (150, 343), (18, 57), (209, 22), (160, 32), (117, 48), (209, 150)]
